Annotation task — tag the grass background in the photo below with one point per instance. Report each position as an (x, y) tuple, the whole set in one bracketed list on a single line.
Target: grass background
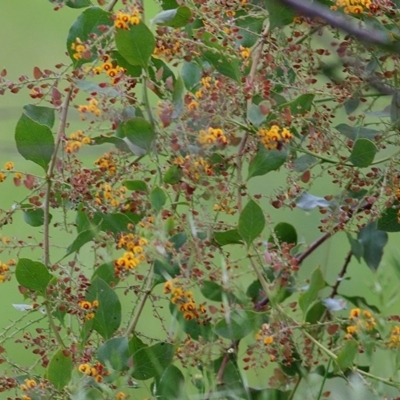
[(34, 35)]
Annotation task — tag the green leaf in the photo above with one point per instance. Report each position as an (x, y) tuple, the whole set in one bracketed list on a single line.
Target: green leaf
[(115, 222), (78, 3), (175, 18), (228, 237), (178, 240), (140, 133), (361, 302), (266, 161), (32, 275), (132, 70), (82, 238), (107, 318), (33, 216), (114, 353), (301, 105), (285, 233), (41, 115), (251, 222), (173, 175), (238, 324), (158, 199), (118, 142), (151, 361), (171, 384), (163, 271), (191, 75), (303, 163), (315, 313), (215, 292), (388, 221), (169, 4), (232, 386), (250, 29), (35, 142), (269, 394), (255, 116), (60, 368), (352, 104), (138, 186), (357, 132), (347, 355), (136, 45), (215, 56), (106, 272), (85, 28), (363, 153), (357, 248), (279, 13), (317, 283), (373, 242)]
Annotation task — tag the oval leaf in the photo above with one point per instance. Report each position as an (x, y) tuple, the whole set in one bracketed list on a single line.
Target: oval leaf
[(251, 222), (115, 353), (363, 153), (32, 274), (158, 198), (373, 242), (388, 221), (347, 354), (317, 283), (285, 233), (136, 45), (35, 142), (107, 318), (151, 361), (60, 369), (140, 133), (266, 161)]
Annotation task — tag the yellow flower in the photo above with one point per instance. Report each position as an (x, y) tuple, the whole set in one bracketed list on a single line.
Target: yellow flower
[(9, 165)]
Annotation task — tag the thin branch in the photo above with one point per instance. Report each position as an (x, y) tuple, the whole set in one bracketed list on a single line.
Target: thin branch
[(342, 273), (256, 55), (142, 303), (111, 5), (347, 24), (49, 176), (46, 205)]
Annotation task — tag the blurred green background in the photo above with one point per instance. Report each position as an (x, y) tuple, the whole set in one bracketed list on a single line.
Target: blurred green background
[(34, 35)]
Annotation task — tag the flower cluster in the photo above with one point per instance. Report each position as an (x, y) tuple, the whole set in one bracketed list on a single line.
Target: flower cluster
[(166, 50), (185, 302), (360, 321), (32, 389), (394, 339), (244, 52), (107, 195), (82, 51), (212, 136), (90, 108), (8, 166), (4, 270), (75, 142), (96, 371), (224, 207), (353, 6), (109, 67), (89, 307), (193, 168), (264, 335), (133, 256), (124, 20), (106, 163), (274, 137)]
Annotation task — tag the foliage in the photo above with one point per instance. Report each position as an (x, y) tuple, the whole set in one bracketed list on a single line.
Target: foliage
[(172, 277)]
